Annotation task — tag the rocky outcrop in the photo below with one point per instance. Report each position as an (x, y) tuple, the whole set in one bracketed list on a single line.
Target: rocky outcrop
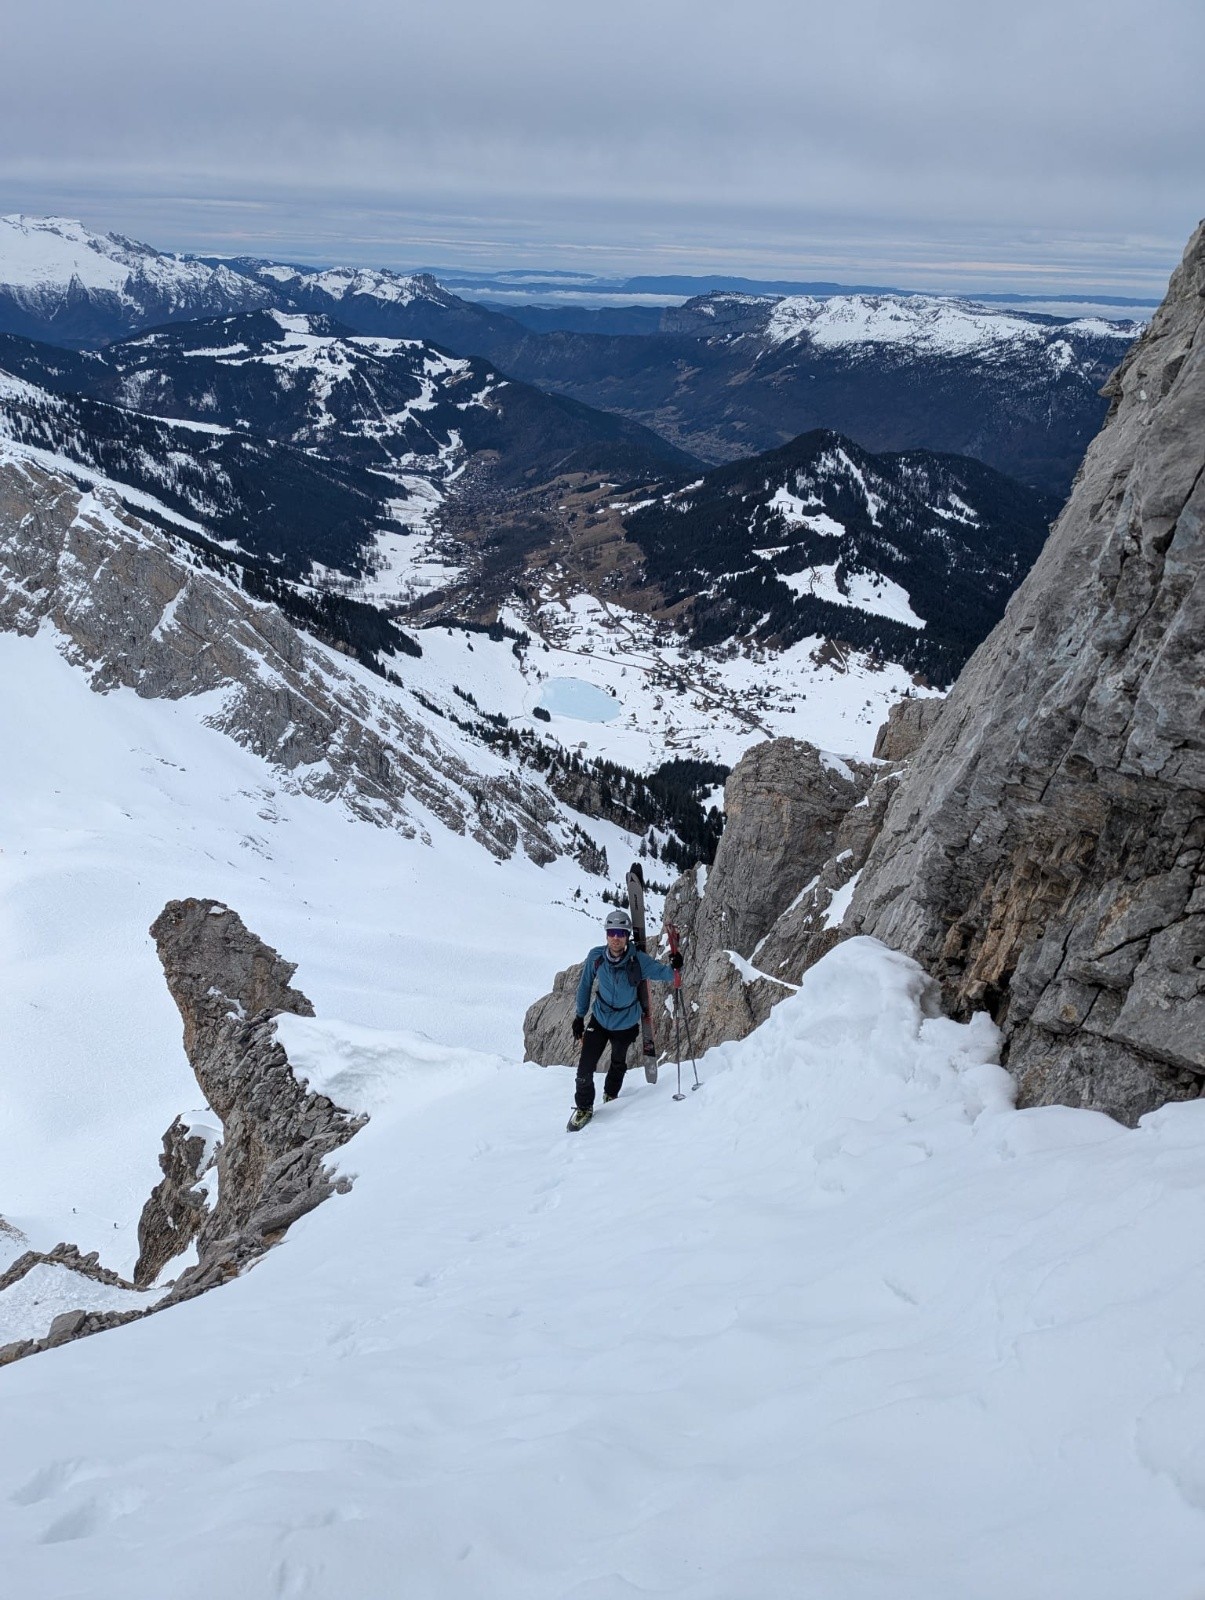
[(909, 723), (268, 1160), (136, 607), (784, 803), (811, 925), (728, 998), (1045, 858), (68, 1324), (63, 1255), (276, 1134), (546, 1027)]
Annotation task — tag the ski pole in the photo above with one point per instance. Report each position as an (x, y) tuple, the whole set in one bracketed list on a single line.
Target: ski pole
[(690, 1044)]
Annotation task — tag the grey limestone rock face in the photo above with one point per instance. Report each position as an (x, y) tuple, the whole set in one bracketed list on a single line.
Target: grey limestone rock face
[(134, 607), (726, 1001), (229, 986), (909, 723), (811, 925), (784, 802), (546, 1027), (1045, 859)]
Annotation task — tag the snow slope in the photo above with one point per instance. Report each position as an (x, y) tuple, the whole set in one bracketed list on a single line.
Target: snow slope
[(843, 1323), (109, 806)]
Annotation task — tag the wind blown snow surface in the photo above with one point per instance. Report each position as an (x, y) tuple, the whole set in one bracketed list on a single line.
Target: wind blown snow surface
[(842, 1323)]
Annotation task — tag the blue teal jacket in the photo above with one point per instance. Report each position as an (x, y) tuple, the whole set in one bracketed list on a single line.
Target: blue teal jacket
[(616, 1005)]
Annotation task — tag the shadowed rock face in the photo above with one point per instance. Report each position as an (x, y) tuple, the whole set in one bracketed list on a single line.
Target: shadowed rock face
[(1045, 857), (229, 986)]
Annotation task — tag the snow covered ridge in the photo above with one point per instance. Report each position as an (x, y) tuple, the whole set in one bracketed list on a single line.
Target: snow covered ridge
[(133, 607), (928, 325), (342, 283), (56, 274), (910, 556)]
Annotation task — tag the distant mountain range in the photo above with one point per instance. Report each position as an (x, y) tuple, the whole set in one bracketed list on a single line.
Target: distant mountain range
[(373, 452), (725, 375)]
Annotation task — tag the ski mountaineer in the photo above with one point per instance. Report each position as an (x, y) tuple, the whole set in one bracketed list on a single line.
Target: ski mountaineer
[(608, 1010)]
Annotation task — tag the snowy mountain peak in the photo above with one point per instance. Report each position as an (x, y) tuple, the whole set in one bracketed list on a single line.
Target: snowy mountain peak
[(926, 324), (347, 283), (51, 251), (58, 279)]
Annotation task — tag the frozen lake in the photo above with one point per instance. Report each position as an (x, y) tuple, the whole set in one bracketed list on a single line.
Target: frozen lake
[(573, 697)]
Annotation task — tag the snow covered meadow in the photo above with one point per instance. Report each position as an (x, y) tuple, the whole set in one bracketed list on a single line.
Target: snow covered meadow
[(842, 1323)]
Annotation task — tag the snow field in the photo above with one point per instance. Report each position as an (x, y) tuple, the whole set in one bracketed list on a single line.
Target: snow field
[(843, 1323), (113, 805), (673, 702)]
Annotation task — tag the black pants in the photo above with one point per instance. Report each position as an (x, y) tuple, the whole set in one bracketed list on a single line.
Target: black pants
[(594, 1042)]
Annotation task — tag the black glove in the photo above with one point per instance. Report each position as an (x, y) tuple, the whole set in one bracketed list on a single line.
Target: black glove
[(675, 960), (579, 1027)]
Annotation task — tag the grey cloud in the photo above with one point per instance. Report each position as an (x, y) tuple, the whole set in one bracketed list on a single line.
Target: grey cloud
[(918, 120)]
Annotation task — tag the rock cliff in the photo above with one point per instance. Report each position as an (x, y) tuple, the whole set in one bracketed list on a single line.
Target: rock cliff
[(136, 607), (229, 986), (1044, 859)]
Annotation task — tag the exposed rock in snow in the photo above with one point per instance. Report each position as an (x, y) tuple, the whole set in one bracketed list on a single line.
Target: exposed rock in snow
[(177, 1208), (784, 804), (789, 808), (229, 986), (40, 1280), (546, 1035), (269, 1161)]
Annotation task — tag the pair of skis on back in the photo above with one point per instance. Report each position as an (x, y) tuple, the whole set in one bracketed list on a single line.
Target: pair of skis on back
[(648, 1038)]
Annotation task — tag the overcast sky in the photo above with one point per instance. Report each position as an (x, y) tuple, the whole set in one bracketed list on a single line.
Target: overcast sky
[(942, 144)]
